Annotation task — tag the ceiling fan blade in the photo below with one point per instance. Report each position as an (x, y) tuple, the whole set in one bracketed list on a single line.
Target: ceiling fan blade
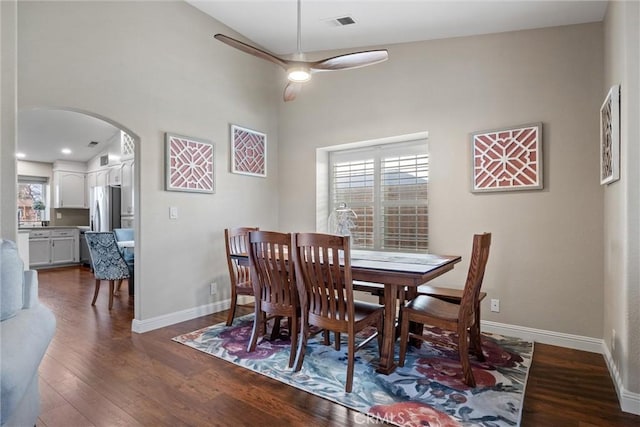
[(291, 90), (251, 50), (351, 60)]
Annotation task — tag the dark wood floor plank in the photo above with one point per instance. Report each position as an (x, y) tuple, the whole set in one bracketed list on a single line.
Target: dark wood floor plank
[(98, 373)]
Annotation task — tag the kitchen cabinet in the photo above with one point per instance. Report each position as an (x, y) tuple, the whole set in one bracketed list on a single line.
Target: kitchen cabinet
[(64, 246), (39, 248), (126, 189), (115, 178), (70, 189), (53, 247), (102, 177)]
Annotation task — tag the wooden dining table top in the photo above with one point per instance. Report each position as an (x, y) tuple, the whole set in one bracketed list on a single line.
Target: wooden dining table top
[(396, 271)]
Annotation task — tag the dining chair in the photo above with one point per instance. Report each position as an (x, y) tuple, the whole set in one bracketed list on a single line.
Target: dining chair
[(274, 286), (239, 275), (326, 296), (458, 318), (107, 262)]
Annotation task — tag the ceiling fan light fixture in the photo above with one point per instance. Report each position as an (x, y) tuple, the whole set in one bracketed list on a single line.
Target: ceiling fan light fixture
[(299, 74)]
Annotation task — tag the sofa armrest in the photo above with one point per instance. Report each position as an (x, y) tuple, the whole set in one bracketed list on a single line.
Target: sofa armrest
[(30, 289)]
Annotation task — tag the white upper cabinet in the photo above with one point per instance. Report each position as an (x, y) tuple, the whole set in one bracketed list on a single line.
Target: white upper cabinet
[(69, 185)]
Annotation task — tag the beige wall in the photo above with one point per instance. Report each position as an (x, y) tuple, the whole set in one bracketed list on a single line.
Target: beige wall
[(8, 41), (546, 264), (154, 67), (622, 199)]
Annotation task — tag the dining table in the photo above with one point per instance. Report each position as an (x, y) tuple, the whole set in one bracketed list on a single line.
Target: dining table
[(399, 274)]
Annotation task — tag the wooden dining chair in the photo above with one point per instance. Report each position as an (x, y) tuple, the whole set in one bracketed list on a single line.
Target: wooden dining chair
[(107, 262), (459, 318), (274, 286), (239, 275), (326, 295)]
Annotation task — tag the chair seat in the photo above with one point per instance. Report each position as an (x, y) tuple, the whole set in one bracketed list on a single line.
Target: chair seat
[(430, 306), (364, 309)]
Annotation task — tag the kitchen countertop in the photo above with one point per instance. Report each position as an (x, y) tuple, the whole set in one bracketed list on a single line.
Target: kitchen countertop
[(56, 227)]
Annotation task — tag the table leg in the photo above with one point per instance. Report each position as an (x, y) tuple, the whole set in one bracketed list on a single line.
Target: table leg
[(387, 352)]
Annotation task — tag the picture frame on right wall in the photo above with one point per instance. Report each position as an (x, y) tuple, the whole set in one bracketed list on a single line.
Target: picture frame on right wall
[(610, 137)]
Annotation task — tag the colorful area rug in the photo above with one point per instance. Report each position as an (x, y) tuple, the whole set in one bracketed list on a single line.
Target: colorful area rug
[(428, 390)]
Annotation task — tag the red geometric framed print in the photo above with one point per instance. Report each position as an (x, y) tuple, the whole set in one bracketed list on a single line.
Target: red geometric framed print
[(610, 137), (507, 159), (248, 151), (189, 164)]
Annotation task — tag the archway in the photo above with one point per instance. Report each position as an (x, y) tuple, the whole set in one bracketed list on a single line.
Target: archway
[(75, 127)]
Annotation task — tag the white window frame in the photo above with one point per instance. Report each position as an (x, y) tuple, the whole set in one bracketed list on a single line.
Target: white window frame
[(323, 170)]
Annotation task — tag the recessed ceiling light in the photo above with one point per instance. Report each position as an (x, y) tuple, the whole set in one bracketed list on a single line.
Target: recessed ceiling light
[(21, 155), (66, 151)]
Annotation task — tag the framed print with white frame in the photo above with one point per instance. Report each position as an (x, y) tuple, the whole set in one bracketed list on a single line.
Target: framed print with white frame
[(189, 164), (610, 137), (248, 151), (507, 159)]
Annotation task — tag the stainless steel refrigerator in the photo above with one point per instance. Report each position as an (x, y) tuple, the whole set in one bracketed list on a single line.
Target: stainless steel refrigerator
[(105, 208)]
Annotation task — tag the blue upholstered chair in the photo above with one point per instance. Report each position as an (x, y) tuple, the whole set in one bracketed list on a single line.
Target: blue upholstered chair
[(107, 262), (126, 234)]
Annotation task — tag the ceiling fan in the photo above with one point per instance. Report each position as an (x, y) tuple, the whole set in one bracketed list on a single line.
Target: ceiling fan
[(298, 70)]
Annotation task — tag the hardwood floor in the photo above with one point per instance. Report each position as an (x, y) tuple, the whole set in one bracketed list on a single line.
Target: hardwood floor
[(98, 373)]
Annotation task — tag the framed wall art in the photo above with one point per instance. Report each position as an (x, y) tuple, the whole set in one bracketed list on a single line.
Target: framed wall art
[(507, 159), (189, 164), (248, 152), (610, 137)]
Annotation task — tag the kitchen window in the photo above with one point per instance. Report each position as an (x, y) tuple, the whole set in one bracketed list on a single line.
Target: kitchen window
[(32, 200), (387, 187)]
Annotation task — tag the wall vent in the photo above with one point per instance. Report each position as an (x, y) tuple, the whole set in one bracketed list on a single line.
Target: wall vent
[(104, 160)]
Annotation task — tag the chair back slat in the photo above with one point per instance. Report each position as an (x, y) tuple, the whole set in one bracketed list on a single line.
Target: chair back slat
[(323, 282), (477, 265), (272, 275)]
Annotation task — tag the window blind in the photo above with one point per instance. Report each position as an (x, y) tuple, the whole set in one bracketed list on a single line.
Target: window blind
[(387, 187)]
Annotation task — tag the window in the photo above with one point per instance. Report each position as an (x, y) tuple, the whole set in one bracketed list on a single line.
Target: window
[(386, 186), (32, 199)]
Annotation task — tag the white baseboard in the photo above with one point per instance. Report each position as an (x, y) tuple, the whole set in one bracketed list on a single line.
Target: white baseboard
[(141, 326), (629, 402), (578, 342)]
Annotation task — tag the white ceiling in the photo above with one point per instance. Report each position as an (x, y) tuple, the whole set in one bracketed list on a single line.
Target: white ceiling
[(43, 133), (271, 24)]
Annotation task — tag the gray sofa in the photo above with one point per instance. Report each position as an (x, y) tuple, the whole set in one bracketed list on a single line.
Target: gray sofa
[(27, 328)]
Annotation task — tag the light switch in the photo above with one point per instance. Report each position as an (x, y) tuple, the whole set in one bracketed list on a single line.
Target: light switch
[(173, 212)]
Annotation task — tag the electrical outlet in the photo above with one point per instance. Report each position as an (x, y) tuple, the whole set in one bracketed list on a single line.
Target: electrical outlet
[(495, 305), (58, 215), (214, 288)]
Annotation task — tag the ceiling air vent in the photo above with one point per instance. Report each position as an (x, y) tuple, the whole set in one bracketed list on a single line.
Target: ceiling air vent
[(92, 144), (345, 20)]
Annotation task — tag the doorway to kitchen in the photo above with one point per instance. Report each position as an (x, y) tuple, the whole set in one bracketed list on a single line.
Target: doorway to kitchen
[(83, 168)]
